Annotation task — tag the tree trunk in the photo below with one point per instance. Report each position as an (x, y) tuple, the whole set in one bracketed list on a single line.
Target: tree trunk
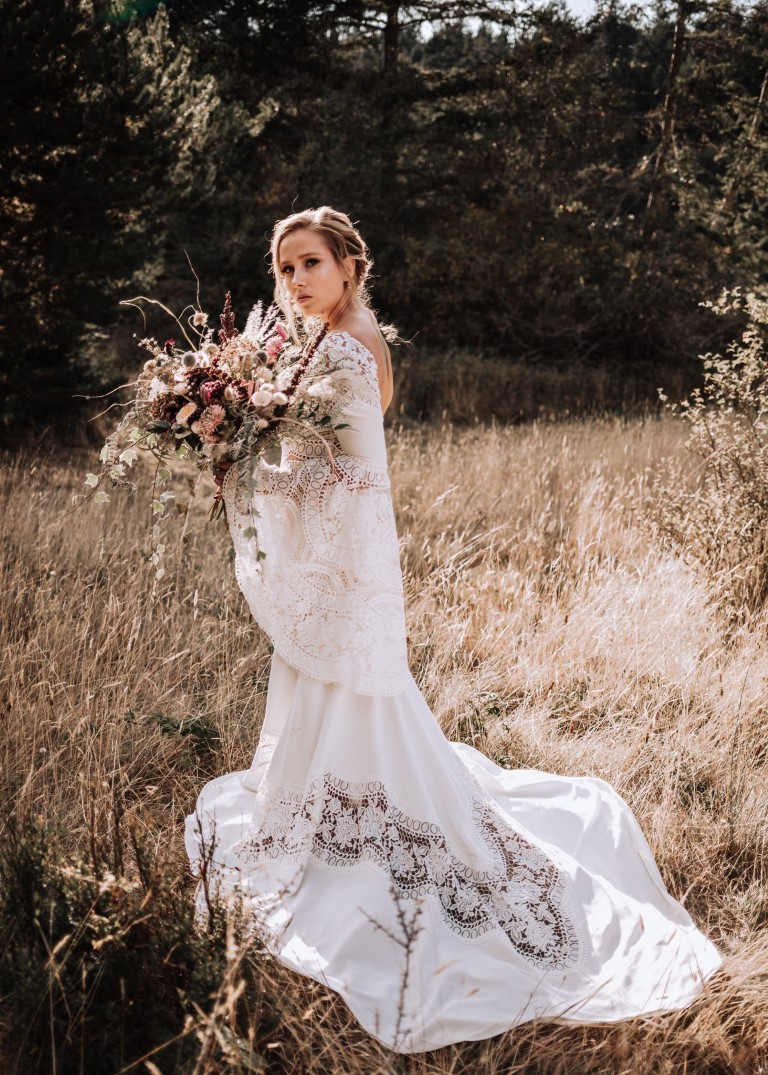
[(388, 147), (668, 122), (391, 36)]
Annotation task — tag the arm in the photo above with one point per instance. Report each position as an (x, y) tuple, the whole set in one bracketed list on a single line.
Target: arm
[(357, 402)]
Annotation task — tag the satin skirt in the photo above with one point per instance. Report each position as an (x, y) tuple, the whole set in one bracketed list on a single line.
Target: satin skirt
[(444, 898)]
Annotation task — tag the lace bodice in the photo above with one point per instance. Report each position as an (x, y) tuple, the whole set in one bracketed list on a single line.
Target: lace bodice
[(328, 588)]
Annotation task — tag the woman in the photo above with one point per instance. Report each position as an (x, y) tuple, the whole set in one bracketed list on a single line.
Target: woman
[(444, 898)]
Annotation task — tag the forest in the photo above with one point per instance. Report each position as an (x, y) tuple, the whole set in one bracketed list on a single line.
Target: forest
[(549, 201)]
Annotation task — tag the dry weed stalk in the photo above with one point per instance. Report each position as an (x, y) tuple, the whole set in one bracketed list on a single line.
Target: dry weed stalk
[(546, 627)]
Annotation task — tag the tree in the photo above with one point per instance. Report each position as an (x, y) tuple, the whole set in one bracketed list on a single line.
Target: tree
[(108, 131)]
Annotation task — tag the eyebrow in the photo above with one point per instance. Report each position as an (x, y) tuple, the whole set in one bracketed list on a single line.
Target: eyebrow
[(308, 254)]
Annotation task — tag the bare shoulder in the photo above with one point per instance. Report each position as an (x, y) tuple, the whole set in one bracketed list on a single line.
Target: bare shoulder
[(362, 327)]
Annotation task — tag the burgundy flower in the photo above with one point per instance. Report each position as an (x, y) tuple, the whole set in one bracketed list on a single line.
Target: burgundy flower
[(227, 318), (211, 392), (168, 347)]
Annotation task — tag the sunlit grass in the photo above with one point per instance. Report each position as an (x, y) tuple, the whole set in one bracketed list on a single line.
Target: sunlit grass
[(547, 626)]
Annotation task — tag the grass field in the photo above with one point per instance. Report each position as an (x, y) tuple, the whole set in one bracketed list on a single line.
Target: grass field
[(548, 626)]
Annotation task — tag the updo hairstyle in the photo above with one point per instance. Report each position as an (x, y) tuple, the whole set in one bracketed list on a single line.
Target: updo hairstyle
[(343, 240)]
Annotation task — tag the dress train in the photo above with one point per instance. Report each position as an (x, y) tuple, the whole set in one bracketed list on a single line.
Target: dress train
[(532, 895)]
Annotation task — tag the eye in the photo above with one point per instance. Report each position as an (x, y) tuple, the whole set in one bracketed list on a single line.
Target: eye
[(286, 269), (311, 261)]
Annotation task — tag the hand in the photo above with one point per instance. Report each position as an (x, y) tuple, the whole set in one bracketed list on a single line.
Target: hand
[(220, 472)]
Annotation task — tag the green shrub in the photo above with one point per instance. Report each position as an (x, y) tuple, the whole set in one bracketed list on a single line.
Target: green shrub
[(100, 970), (718, 517)]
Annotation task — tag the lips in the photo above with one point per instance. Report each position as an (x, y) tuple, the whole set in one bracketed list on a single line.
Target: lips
[(301, 298)]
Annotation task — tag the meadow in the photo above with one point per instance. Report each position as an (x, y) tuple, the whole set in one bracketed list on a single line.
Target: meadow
[(550, 625)]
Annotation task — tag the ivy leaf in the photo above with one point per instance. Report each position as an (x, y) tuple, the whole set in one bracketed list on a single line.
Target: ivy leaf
[(157, 507), (101, 498), (163, 474), (92, 480), (129, 456), (249, 532)]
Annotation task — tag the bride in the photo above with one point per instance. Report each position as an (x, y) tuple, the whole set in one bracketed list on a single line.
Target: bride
[(445, 899)]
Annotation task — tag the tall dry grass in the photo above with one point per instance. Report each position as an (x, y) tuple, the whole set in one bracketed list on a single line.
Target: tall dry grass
[(547, 626)]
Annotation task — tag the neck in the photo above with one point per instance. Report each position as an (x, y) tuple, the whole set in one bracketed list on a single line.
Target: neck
[(334, 315)]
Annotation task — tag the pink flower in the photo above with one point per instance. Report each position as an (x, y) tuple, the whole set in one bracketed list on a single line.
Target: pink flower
[(281, 329), (273, 346), (210, 420)]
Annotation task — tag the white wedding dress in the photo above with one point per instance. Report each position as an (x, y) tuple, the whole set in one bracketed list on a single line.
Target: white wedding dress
[(446, 899)]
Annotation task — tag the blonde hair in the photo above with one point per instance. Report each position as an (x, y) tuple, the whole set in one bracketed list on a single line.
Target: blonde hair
[(342, 239)]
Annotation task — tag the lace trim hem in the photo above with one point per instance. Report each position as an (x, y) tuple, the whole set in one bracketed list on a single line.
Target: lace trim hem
[(344, 824)]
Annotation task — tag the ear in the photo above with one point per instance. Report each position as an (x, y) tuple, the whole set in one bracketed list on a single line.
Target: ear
[(349, 266)]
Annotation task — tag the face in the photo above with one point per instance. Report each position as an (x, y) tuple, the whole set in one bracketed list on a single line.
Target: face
[(311, 274)]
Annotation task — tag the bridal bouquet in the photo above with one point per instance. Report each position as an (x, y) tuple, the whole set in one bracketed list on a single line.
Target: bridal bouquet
[(213, 401)]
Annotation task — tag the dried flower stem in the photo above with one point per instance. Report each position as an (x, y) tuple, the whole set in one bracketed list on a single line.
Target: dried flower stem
[(155, 302)]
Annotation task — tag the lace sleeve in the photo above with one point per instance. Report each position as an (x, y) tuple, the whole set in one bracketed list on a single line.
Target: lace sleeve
[(347, 379), (324, 579)]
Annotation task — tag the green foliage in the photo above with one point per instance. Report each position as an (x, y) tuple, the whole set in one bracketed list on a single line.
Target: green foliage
[(100, 967), (108, 138), (722, 523), (535, 187), (199, 727)]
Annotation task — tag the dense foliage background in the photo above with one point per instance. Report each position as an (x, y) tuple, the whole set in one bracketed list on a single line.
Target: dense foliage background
[(540, 194)]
